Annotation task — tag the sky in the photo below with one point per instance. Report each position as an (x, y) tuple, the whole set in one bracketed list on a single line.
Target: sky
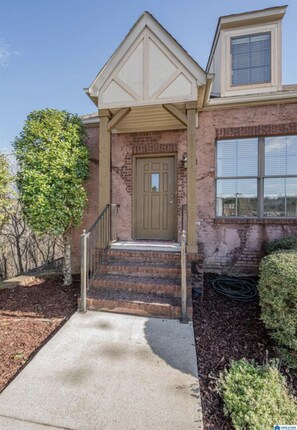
[(51, 49)]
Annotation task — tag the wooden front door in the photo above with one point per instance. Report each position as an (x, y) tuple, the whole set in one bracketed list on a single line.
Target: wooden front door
[(155, 195)]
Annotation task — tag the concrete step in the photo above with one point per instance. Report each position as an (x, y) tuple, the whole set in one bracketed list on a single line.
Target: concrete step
[(138, 268), (135, 303), (163, 287)]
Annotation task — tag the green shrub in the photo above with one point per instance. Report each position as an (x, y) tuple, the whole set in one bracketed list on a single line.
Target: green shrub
[(289, 242), (278, 300), (256, 397)]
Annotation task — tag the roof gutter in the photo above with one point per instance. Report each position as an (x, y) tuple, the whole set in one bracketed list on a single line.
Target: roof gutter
[(225, 102)]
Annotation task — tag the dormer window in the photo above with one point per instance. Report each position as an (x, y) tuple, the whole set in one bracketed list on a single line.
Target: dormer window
[(251, 59), (246, 55)]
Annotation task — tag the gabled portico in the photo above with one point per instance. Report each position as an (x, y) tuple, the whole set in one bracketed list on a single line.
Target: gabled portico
[(150, 84)]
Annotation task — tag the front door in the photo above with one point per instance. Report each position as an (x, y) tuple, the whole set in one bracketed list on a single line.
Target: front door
[(155, 198)]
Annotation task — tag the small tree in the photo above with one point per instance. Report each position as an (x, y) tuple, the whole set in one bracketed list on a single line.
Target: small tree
[(5, 187), (53, 163)]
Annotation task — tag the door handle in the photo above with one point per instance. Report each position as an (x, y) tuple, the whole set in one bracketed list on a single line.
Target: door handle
[(172, 200)]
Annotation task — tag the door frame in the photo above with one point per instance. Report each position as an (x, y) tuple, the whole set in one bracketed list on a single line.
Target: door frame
[(134, 193)]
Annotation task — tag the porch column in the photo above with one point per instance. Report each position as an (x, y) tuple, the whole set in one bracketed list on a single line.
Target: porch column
[(104, 159), (191, 108)]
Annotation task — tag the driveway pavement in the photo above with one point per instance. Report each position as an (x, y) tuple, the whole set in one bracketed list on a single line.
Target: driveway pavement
[(108, 371)]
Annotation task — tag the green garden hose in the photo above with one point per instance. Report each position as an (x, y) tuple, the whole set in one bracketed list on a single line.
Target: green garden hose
[(241, 289)]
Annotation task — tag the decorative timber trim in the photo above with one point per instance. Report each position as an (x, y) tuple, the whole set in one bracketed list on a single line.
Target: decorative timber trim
[(117, 118), (180, 116)]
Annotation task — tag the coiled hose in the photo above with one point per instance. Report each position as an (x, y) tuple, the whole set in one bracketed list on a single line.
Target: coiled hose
[(241, 289)]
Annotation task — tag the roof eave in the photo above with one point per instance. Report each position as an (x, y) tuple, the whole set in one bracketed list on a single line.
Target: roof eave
[(93, 97)]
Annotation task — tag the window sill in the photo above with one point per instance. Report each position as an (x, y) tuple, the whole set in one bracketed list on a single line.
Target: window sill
[(249, 89), (263, 221)]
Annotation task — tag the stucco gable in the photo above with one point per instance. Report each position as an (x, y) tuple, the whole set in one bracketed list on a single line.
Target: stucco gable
[(149, 67)]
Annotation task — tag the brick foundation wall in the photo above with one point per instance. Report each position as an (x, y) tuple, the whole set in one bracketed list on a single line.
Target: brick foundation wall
[(229, 246)]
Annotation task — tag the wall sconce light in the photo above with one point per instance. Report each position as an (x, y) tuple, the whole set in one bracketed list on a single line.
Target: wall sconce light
[(185, 161)]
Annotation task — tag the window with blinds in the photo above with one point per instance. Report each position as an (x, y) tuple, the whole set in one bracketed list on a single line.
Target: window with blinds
[(237, 171), (251, 59), (257, 177)]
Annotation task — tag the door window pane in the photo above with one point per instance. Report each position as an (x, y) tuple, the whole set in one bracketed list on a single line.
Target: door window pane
[(155, 182), (237, 197)]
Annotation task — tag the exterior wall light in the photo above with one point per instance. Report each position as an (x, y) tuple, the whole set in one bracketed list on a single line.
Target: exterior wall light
[(185, 161)]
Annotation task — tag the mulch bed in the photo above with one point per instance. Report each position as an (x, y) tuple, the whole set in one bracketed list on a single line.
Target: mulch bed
[(29, 315), (227, 330)]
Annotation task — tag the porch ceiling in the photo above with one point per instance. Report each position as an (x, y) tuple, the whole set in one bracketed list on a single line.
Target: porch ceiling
[(149, 118)]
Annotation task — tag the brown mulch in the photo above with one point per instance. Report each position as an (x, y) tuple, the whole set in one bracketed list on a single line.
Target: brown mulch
[(29, 315), (227, 330)]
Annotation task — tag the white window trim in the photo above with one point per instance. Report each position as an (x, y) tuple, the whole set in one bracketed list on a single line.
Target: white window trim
[(227, 89)]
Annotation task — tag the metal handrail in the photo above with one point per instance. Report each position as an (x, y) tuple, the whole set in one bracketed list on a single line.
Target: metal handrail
[(183, 263), (94, 244)]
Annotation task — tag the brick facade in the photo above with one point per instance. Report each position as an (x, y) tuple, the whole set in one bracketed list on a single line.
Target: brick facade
[(257, 130), (230, 246)]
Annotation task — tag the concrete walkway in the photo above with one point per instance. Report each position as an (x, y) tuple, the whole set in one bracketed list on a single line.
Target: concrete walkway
[(108, 371)]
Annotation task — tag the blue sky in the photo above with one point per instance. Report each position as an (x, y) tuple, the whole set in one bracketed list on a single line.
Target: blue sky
[(51, 49)]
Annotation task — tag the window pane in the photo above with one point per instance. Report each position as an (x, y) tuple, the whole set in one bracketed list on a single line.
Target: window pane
[(251, 59), (291, 197), (247, 197), (226, 197), (291, 155), (237, 197), (291, 145), (281, 155), (292, 165), (237, 157), (260, 74), (274, 197)]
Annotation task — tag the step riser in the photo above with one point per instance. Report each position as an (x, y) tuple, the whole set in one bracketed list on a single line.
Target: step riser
[(150, 256), (160, 290), (141, 309), (166, 272)]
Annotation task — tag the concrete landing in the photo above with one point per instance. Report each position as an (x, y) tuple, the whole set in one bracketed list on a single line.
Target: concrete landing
[(108, 371), (142, 245)]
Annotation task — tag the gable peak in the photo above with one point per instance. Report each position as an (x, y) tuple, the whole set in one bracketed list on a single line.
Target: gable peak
[(130, 75)]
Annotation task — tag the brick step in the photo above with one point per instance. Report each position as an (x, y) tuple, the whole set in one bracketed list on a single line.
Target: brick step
[(139, 268), (163, 287), (143, 256), (135, 304)]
